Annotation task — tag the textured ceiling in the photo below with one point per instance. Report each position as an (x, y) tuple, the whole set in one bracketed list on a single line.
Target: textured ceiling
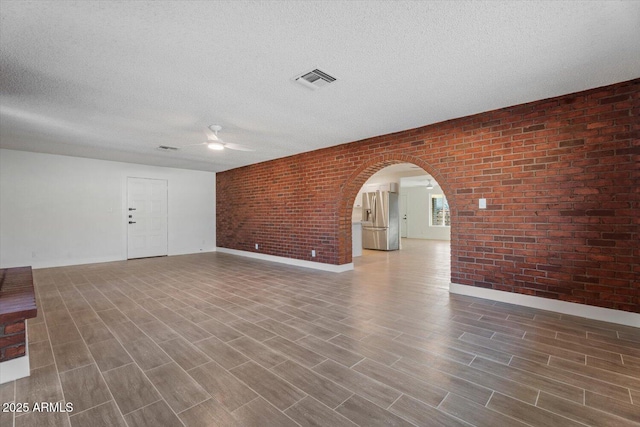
[(113, 80)]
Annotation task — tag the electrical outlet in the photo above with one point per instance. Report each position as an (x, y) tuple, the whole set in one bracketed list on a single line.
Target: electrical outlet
[(313, 252), (256, 246)]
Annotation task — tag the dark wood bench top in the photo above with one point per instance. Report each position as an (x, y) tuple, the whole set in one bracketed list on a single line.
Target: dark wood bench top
[(17, 296)]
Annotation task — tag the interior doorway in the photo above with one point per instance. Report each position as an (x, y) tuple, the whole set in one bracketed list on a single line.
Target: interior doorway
[(147, 232), (423, 207)]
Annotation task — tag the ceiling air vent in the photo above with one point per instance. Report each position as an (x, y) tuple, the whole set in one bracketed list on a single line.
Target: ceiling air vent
[(315, 79), (167, 148)]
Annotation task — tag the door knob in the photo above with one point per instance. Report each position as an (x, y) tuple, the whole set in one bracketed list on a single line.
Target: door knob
[(132, 209), (132, 222)]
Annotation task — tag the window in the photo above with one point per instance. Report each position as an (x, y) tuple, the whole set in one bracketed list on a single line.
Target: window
[(440, 215)]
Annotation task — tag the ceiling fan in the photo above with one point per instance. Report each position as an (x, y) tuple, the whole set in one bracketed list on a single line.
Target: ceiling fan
[(213, 142)]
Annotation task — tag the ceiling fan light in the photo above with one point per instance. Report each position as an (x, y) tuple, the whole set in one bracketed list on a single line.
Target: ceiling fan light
[(215, 146)]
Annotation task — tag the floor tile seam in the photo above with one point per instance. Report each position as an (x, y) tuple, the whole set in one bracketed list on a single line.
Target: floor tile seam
[(95, 406), (634, 376), (14, 399), (606, 413), (196, 366), (604, 371), (199, 403), (435, 408), (586, 322), (321, 403), (296, 402), (419, 379), (391, 404), (567, 324), (249, 359), (375, 404), (133, 361), (467, 380), (257, 396), (533, 406), (106, 384), (533, 341), (626, 350), (429, 353), (535, 327), (80, 366), (456, 417), (400, 333), (260, 396), (487, 329), (185, 372), (36, 342), (377, 382), (627, 343), (54, 363), (328, 339), (248, 336), (156, 343), (451, 345), (273, 373), (486, 406), (584, 390), (319, 354), (349, 397), (584, 403), (526, 349), (577, 344), (319, 363), (331, 329), (357, 363), (541, 378)]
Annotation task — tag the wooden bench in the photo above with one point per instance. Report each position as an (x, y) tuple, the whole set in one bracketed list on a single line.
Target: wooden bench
[(17, 304)]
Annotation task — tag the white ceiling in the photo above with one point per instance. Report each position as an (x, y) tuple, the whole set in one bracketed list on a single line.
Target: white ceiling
[(113, 80)]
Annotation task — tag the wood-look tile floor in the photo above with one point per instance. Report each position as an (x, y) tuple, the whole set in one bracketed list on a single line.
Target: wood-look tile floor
[(216, 340)]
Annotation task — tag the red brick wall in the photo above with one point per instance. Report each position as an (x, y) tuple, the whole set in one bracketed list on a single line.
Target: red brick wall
[(13, 340), (561, 177)]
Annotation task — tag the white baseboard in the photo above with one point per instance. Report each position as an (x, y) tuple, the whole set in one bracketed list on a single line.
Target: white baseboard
[(564, 307), (15, 369), (290, 261), (69, 262)]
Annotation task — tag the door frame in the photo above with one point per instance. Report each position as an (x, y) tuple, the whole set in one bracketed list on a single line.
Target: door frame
[(126, 213)]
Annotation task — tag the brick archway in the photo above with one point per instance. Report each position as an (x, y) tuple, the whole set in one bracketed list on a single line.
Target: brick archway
[(356, 180)]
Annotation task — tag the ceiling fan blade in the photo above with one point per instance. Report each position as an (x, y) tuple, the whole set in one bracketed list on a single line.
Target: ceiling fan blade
[(237, 147), (193, 145)]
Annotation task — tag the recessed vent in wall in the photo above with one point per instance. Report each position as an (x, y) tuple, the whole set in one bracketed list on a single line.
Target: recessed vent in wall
[(314, 79), (167, 148)]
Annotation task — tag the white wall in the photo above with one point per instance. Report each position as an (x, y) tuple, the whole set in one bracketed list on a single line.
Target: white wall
[(58, 210)]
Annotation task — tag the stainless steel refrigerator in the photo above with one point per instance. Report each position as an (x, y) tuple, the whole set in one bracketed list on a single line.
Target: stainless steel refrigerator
[(380, 221)]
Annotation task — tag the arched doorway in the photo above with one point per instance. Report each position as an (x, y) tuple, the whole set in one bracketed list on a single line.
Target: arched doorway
[(358, 178)]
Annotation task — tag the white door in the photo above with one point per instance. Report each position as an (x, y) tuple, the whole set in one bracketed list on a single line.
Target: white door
[(417, 213), (146, 217)]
